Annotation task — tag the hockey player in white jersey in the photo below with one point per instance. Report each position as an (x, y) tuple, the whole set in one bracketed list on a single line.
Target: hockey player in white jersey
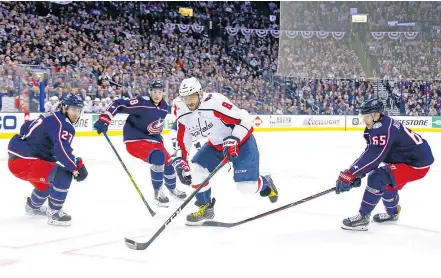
[(174, 130), (229, 132)]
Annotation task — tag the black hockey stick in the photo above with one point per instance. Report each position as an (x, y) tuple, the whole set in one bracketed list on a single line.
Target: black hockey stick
[(152, 212), (143, 245), (230, 225)]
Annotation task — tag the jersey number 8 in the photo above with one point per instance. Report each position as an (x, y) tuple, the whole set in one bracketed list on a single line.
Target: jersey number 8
[(133, 101), (227, 105)]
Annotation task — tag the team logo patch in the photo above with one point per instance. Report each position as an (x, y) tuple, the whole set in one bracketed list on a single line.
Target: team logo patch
[(377, 125), (156, 127)]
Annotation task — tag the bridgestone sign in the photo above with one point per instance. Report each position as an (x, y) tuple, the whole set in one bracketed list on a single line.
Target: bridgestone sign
[(414, 122)]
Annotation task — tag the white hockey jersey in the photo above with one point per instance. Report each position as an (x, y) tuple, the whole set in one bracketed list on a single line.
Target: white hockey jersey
[(215, 119), (174, 107)]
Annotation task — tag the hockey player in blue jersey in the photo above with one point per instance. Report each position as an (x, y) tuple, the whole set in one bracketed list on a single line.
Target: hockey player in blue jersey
[(406, 155), (142, 137), (33, 157)]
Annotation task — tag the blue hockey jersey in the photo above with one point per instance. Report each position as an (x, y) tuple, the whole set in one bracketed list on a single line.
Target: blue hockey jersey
[(48, 138), (145, 120), (391, 142)]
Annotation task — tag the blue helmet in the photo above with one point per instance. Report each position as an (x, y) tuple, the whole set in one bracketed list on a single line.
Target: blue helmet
[(73, 100), (372, 106), (157, 84)]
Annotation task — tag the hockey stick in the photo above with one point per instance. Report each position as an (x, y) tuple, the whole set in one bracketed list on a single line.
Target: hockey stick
[(152, 212), (230, 225), (143, 245)]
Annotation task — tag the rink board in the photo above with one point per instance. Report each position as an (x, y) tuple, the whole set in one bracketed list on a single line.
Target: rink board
[(10, 123)]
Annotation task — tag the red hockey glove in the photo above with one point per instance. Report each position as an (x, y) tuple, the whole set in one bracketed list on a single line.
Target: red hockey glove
[(102, 124), (344, 182), (231, 147), (182, 170)]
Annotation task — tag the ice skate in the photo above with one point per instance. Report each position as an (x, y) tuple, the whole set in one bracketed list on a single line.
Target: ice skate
[(41, 211), (181, 195), (205, 212), (271, 192), (357, 223), (58, 218), (163, 200), (386, 217)]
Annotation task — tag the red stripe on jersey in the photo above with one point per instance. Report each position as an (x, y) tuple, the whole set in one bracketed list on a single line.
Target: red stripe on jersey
[(180, 138), (195, 186), (220, 146), (226, 119)]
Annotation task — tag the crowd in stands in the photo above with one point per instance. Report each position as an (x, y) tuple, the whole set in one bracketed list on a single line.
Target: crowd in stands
[(108, 50)]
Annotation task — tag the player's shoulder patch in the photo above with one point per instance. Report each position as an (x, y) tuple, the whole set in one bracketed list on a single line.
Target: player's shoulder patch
[(377, 125), (208, 97), (396, 124)]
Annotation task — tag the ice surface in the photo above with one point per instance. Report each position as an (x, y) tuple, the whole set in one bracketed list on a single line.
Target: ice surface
[(303, 241)]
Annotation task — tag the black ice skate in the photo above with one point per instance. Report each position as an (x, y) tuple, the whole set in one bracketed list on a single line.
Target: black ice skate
[(181, 195), (58, 218), (163, 200), (41, 211), (357, 223), (205, 212), (271, 192), (386, 217)]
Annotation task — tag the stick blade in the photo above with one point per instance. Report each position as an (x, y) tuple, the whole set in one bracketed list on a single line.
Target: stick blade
[(134, 245), (218, 224)]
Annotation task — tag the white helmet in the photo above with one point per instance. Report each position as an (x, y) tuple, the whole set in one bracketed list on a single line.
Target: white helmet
[(88, 98), (189, 86)]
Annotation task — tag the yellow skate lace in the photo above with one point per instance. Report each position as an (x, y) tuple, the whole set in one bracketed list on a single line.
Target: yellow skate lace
[(272, 193), (201, 211)]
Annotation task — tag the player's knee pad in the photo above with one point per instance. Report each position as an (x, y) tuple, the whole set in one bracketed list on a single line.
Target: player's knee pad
[(199, 173), (379, 178), (156, 157), (248, 187), (60, 178)]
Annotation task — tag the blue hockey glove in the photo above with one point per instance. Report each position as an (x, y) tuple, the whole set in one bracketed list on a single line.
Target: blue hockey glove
[(80, 173), (231, 147), (182, 170), (346, 180), (102, 124)]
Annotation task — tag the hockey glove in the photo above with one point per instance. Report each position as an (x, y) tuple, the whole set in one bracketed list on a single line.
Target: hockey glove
[(231, 147), (102, 124), (182, 170), (80, 173), (345, 182)]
